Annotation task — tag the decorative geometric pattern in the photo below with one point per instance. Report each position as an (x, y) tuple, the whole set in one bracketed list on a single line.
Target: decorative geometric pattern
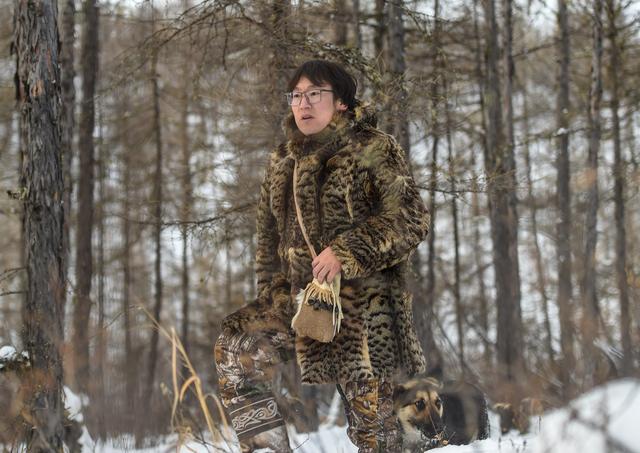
[(255, 416)]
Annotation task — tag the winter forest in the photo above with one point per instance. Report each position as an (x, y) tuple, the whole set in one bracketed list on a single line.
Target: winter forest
[(134, 136)]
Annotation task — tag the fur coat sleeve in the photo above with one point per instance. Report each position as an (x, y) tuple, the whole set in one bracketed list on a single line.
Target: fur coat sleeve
[(269, 268), (400, 221)]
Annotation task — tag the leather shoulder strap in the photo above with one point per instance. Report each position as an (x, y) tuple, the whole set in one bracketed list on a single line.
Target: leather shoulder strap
[(298, 213)]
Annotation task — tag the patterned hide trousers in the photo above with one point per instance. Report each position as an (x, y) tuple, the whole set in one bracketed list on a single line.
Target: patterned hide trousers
[(245, 363)]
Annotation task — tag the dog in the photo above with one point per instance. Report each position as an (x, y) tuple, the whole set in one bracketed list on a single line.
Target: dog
[(432, 414)]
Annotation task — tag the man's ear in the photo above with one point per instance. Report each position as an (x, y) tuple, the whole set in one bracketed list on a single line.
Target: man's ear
[(341, 107)]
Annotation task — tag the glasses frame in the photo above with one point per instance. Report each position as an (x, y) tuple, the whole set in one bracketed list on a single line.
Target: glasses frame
[(289, 96)]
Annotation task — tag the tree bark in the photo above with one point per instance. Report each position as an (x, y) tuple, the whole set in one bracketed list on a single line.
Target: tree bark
[(187, 193), (591, 310), (500, 169), (278, 20), (158, 202), (426, 316), (398, 67), (359, 43), (460, 313), (129, 364), (380, 32), (84, 258), (563, 201), (35, 42), (340, 19), (619, 191), (537, 254), (99, 405), (68, 115), (484, 304)]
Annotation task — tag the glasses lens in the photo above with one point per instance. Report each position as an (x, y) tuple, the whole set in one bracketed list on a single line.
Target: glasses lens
[(314, 96), (294, 98)]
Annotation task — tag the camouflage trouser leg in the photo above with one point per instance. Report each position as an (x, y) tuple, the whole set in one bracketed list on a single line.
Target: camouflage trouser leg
[(245, 364), (373, 426)]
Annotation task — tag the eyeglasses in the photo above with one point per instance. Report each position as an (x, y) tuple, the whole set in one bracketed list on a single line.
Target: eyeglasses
[(313, 96)]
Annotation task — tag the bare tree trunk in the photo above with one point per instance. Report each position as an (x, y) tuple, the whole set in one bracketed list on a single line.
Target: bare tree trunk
[(398, 67), (359, 43), (564, 204), (187, 193), (508, 74), (484, 304), (99, 405), (426, 315), (129, 364), (278, 19), (356, 24), (460, 313), (340, 22), (631, 142), (68, 117), (591, 310), (500, 168), (158, 202), (619, 189), (84, 258), (537, 254), (380, 32), (228, 281), (35, 42)]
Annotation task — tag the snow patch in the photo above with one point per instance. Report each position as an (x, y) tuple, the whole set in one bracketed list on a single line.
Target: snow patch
[(601, 421), (8, 353), (74, 404), (604, 419)]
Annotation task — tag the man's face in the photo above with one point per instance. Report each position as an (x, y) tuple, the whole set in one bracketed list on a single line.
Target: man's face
[(311, 116)]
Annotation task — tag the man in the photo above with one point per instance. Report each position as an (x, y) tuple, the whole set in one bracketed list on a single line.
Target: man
[(362, 211)]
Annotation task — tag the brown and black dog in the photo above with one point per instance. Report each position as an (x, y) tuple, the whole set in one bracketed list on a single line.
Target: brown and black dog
[(433, 414)]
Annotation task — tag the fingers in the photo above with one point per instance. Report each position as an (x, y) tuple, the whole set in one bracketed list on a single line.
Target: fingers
[(332, 273), (320, 272), (325, 266)]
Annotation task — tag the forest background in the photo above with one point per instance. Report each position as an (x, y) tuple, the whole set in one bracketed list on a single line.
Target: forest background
[(519, 120)]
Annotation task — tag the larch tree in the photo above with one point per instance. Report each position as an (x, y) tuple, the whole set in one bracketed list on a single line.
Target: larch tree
[(67, 74), (35, 43), (426, 307), (86, 183), (157, 200), (500, 169), (475, 201), (613, 12), (590, 305), (563, 199)]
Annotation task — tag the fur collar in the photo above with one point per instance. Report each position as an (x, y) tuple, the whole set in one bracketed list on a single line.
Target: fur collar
[(311, 153), (337, 133)]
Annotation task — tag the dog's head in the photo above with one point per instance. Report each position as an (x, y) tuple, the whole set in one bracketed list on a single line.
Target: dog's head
[(419, 409)]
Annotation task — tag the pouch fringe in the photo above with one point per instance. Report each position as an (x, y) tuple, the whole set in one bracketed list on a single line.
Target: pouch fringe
[(328, 293)]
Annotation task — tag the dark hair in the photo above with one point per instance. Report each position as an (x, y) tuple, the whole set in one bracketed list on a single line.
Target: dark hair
[(321, 71)]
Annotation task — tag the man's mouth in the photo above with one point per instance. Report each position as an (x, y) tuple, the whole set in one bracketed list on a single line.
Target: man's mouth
[(306, 117)]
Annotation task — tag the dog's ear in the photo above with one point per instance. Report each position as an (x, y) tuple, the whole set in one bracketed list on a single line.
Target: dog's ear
[(399, 390), (436, 372)]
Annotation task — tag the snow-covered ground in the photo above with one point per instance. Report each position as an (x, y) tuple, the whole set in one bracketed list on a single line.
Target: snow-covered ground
[(605, 420)]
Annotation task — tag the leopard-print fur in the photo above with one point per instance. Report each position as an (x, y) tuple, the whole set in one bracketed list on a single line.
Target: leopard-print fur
[(356, 195)]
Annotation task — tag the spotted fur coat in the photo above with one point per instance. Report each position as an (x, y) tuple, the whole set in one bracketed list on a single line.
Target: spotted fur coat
[(357, 196)]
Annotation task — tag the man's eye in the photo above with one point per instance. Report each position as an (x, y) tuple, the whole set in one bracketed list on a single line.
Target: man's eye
[(314, 94), (296, 95)]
